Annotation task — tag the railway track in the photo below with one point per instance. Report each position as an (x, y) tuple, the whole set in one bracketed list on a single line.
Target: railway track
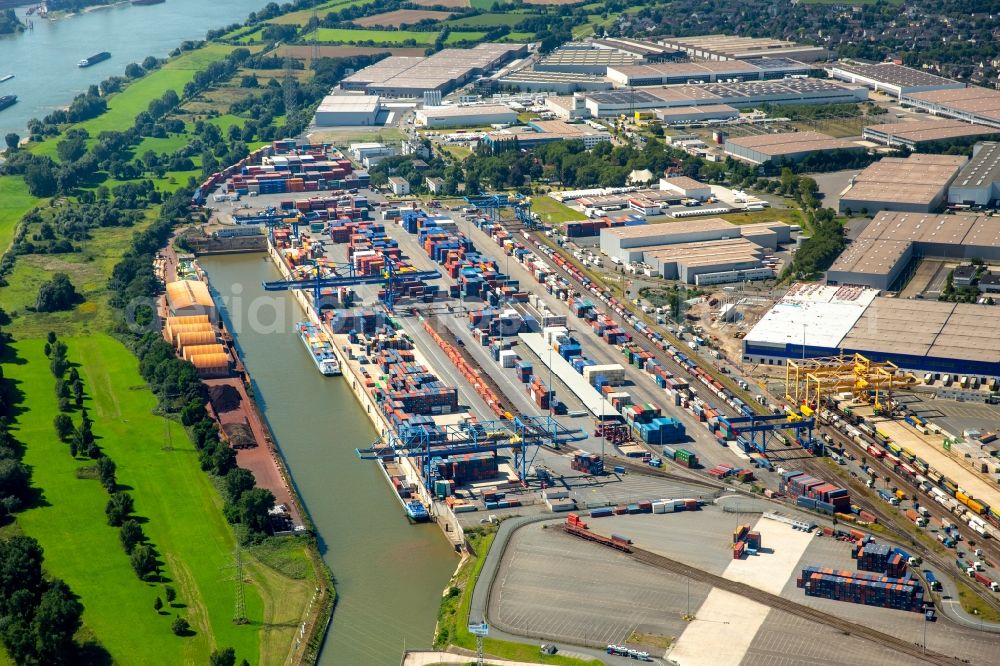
[(889, 518), (799, 610)]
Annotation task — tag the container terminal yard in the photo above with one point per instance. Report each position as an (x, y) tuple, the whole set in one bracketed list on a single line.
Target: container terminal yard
[(506, 383)]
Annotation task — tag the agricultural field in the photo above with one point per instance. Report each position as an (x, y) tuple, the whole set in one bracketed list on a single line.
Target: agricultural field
[(838, 2), (347, 36), (457, 37), (488, 20), (14, 203), (400, 18), (553, 3), (320, 11), (252, 38), (448, 3), (328, 51)]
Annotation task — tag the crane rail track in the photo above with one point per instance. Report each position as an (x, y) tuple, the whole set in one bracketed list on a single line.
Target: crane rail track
[(786, 605)]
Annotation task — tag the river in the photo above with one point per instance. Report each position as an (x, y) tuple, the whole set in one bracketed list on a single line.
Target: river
[(389, 574), (44, 59)]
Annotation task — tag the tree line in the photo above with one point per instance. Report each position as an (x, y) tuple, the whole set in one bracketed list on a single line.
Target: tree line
[(175, 381), (39, 614)]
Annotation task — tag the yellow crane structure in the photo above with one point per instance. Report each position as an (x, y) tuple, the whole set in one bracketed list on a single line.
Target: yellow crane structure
[(808, 381)]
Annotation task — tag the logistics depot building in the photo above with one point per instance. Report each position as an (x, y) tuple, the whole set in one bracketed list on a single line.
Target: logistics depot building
[(882, 255), (723, 96), (701, 252), (814, 320)]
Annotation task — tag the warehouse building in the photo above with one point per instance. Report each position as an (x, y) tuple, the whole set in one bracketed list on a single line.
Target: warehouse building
[(728, 47), (735, 95), (675, 73), (980, 106), (701, 252), (412, 76), (187, 298), (917, 184), (686, 187), (629, 244), (789, 146), (690, 261), (922, 336), (568, 107), (884, 254), (348, 110), (589, 60), (529, 80), (913, 134), (544, 131), (891, 78), (476, 115), (648, 51), (978, 183), (684, 115)]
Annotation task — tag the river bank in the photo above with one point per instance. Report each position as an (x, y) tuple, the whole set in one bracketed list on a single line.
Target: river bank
[(45, 58)]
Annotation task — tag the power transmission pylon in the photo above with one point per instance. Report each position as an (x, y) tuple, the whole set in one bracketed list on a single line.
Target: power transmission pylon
[(240, 611), (314, 52), (288, 86)]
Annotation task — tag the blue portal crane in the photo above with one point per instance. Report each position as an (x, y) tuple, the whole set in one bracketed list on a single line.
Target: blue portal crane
[(765, 424), (521, 434), (492, 204), (345, 275)]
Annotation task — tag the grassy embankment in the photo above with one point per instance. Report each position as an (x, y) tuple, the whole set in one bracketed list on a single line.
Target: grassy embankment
[(155, 458), (15, 201)]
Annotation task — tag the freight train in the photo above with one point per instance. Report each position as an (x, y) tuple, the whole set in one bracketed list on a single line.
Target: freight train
[(577, 527), (944, 491)]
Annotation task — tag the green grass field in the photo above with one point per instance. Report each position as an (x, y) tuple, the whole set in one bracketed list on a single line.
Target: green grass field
[(482, 4), (553, 212), (840, 2), (488, 20), (252, 37), (302, 17), (787, 215), (167, 145), (123, 107), (456, 37), (158, 462), (389, 37), (88, 269), (518, 37), (346, 36), (14, 203)]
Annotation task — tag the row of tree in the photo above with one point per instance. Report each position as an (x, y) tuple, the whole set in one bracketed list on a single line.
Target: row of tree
[(39, 615), (175, 381)]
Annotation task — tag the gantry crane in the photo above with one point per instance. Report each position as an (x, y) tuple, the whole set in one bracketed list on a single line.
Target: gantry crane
[(809, 382), (345, 275), (492, 204), (521, 434)]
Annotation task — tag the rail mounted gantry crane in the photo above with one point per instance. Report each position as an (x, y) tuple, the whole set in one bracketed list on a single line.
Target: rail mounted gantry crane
[(809, 382), (763, 425), (521, 434), (492, 204), (345, 275)]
